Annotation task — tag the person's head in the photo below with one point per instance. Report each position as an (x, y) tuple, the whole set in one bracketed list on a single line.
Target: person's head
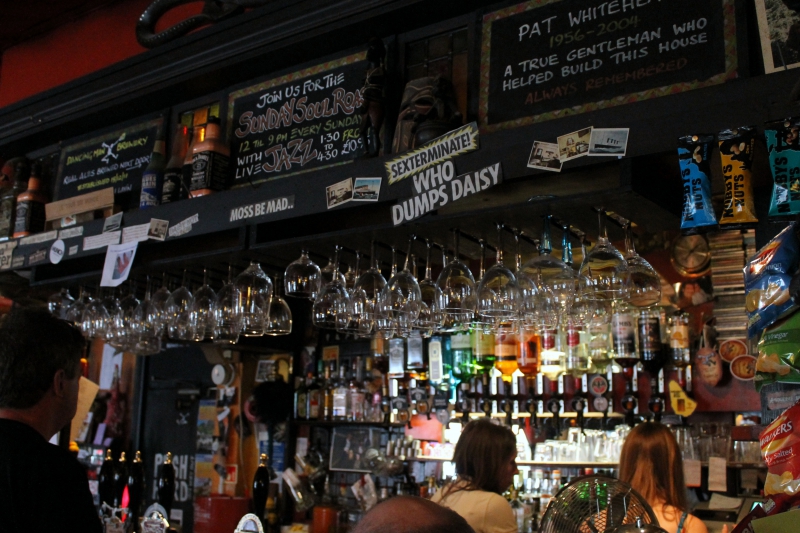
[(39, 361), (408, 514), (485, 456), (651, 463)]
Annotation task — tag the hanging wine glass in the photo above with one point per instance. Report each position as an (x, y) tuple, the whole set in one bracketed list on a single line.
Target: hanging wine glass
[(332, 301), (480, 322), (74, 312), (203, 311), (349, 321), (552, 273), (159, 301), (111, 305), (124, 337), (605, 267), (430, 314), (351, 275), (58, 302), (228, 312), (302, 278), (458, 289), (181, 322), (498, 290), (365, 295), (331, 271), (401, 298), (255, 289), (95, 319), (146, 327), (645, 285), (280, 316)]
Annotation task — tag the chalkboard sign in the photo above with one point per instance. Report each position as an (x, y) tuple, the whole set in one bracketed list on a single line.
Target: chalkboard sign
[(305, 120), (545, 59), (114, 159)]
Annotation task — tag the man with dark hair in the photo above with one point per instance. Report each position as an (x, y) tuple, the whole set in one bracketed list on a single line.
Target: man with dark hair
[(42, 486), (407, 514)]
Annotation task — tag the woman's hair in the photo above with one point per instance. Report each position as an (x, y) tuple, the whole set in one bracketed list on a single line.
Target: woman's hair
[(651, 463), (483, 450)]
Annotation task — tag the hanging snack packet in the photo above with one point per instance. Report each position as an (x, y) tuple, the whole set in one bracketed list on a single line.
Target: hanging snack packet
[(736, 155), (780, 447), (783, 148), (767, 277), (694, 152), (779, 353)]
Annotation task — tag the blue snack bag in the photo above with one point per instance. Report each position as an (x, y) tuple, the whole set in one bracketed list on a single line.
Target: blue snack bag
[(767, 279), (783, 148), (694, 152)]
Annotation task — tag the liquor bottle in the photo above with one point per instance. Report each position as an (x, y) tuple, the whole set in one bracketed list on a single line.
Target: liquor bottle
[(680, 341), (416, 365), (166, 484), (210, 161), (357, 393), (505, 351), (623, 335), (377, 348), (198, 134), (529, 349), (136, 487), (30, 216), (120, 480), (14, 182), (397, 349), (599, 338), (261, 482), (463, 363), (105, 479), (577, 361), (552, 362), (341, 396), (650, 350), (301, 401), (174, 188), (327, 410), (315, 399), (153, 175), (482, 349)]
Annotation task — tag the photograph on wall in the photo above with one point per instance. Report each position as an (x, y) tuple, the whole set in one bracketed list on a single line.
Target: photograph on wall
[(339, 193), (779, 28), (367, 189), (573, 145), (608, 141), (544, 156), (349, 446)]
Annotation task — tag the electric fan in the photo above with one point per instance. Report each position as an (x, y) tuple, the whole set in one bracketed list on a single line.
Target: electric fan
[(598, 504)]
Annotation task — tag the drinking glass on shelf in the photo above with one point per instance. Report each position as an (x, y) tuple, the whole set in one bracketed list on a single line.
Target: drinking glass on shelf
[(228, 312), (203, 311), (279, 321), (604, 266), (458, 289), (146, 328), (498, 290), (255, 289), (645, 284), (180, 321), (332, 301), (302, 278), (58, 302), (401, 298)]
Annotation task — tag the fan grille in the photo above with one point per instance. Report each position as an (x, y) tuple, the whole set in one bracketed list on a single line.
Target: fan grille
[(595, 504)]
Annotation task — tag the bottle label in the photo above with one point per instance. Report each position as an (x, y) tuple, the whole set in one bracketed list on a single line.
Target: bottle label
[(30, 217), (6, 217), (460, 341), (340, 403), (151, 188), (313, 404), (171, 189), (482, 343), (649, 334), (302, 407), (435, 360), (209, 171), (396, 353), (679, 338), (624, 334), (415, 350)]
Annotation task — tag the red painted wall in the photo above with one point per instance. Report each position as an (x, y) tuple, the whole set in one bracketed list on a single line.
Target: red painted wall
[(79, 47)]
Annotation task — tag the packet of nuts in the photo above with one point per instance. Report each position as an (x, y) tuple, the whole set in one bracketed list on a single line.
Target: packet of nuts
[(767, 277)]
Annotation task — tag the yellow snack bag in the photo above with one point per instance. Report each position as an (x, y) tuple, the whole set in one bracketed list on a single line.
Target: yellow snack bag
[(736, 155)]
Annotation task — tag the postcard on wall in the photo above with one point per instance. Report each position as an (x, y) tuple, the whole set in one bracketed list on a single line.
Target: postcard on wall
[(574, 145), (608, 141), (339, 193), (544, 156), (367, 189), (779, 28)]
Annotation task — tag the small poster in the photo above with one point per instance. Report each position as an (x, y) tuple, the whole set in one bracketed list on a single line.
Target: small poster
[(779, 28), (367, 189), (119, 258), (339, 193)]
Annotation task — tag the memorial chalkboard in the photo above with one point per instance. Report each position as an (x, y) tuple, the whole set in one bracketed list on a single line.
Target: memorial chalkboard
[(305, 120), (114, 159), (545, 59)]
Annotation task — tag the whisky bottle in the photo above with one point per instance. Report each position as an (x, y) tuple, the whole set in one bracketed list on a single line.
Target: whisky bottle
[(357, 393), (166, 484), (327, 410), (261, 486), (210, 161), (30, 216), (341, 396), (13, 181), (198, 134), (174, 188), (153, 175)]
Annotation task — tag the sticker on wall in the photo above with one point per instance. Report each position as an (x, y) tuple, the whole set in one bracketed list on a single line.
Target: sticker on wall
[(449, 145), (57, 250), (184, 226)]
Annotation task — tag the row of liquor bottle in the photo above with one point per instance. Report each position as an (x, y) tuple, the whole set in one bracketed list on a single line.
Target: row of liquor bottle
[(22, 199), (197, 164), (423, 375)]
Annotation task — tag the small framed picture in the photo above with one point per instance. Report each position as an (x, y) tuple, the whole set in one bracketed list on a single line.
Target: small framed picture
[(339, 193), (574, 145), (367, 189), (349, 446), (544, 156), (608, 141), (779, 29), (158, 229)]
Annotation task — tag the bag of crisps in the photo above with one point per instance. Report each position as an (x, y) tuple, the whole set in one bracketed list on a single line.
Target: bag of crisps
[(780, 447), (779, 353), (767, 277)]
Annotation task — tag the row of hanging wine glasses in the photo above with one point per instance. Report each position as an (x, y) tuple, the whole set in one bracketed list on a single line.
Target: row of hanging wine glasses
[(246, 305), (541, 293)]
